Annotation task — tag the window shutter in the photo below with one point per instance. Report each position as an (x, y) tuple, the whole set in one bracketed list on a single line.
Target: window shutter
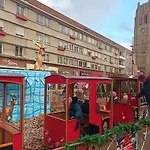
[(19, 31)]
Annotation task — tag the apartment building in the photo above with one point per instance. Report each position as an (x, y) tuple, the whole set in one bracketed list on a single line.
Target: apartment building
[(71, 47)]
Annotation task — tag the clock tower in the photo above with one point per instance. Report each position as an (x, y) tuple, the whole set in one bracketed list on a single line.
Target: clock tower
[(141, 45)]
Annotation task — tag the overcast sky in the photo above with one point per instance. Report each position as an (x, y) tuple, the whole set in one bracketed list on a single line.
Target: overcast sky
[(111, 18)]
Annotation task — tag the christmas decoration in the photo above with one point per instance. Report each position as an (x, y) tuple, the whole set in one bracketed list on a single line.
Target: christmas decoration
[(118, 131)]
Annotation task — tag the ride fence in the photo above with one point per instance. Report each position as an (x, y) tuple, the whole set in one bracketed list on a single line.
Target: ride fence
[(33, 94)]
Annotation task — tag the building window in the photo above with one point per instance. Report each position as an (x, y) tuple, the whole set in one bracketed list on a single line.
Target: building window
[(81, 50), (1, 25), (60, 59), (88, 64), (93, 41), (145, 18), (19, 51), (61, 28), (76, 34), (39, 19), (84, 38), (71, 32), (20, 10), (75, 62), (96, 67), (80, 36), (76, 49), (20, 31), (89, 53), (89, 40), (80, 64), (1, 3), (84, 64), (60, 44), (47, 22), (71, 47), (1, 48), (46, 58), (70, 61), (140, 20), (66, 30), (39, 37), (47, 40), (92, 66), (65, 61), (99, 67), (66, 46)]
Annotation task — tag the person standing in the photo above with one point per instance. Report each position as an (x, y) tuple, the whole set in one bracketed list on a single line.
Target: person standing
[(145, 91)]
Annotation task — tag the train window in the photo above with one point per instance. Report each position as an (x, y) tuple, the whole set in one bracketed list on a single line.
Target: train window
[(124, 87), (12, 109), (133, 87), (103, 96), (55, 99)]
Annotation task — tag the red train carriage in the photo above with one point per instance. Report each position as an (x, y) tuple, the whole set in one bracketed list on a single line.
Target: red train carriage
[(58, 126), (127, 108), (11, 138)]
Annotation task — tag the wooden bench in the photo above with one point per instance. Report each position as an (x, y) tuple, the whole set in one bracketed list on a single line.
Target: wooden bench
[(7, 146), (6, 133)]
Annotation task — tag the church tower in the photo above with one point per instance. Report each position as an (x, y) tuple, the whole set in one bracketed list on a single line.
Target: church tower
[(141, 45)]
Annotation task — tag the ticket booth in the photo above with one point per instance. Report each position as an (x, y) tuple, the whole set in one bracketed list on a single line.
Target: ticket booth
[(11, 96)]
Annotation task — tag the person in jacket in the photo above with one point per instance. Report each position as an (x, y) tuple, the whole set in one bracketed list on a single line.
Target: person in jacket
[(146, 88), (75, 111)]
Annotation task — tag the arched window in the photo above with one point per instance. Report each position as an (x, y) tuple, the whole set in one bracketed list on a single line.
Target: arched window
[(140, 20), (145, 18)]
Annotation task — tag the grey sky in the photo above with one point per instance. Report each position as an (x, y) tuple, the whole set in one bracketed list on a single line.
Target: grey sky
[(86, 12)]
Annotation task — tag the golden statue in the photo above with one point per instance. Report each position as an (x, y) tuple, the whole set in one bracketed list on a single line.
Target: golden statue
[(39, 61)]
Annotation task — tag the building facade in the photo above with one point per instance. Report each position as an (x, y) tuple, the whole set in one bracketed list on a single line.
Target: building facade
[(141, 37), (70, 46)]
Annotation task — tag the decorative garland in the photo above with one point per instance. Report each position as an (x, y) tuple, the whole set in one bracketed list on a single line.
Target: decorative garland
[(108, 135)]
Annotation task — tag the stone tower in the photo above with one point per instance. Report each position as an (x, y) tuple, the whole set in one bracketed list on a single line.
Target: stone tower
[(142, 36)]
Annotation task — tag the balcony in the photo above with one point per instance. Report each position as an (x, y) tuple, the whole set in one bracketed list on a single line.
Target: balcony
[(21, 17), (73, 37), (60, 48), (94, 57), (122, 57), (3, 33)]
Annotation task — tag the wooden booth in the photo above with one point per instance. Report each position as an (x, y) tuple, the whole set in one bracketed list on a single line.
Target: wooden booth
[(11, 136)]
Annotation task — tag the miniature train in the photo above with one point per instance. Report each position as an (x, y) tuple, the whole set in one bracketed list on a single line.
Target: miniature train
[(95, 93)]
